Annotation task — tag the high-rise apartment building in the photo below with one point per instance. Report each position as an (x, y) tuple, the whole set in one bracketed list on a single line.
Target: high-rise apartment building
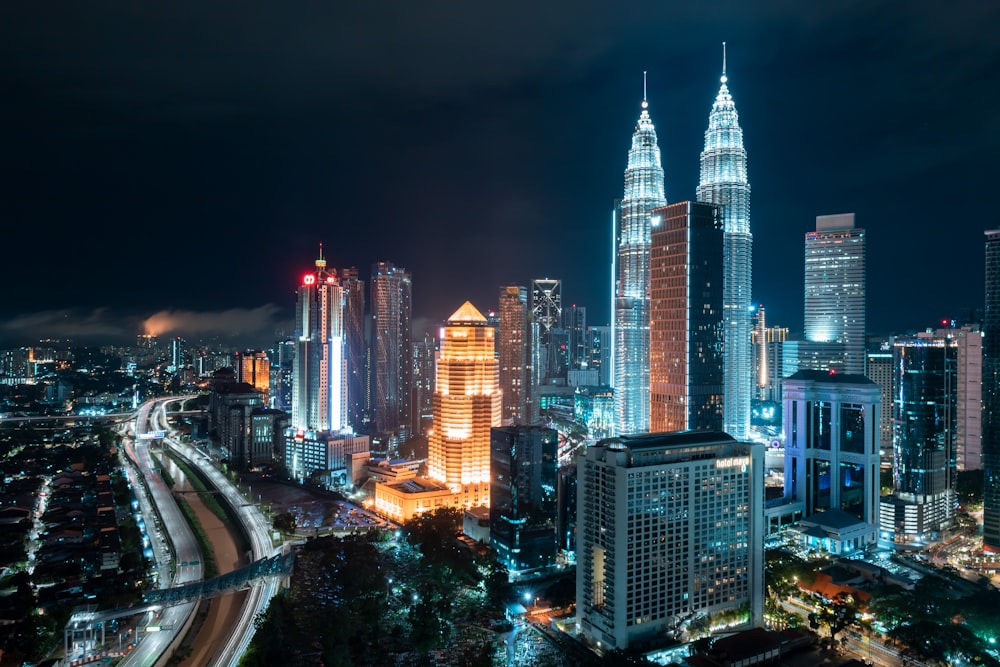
[(356, 353), (925, 415), (686, 318), (835, 289), (991, 396), (644, 191), (512, 344), (466, 404), (318, 383), (724, 182), (832, 459), (523, 496), (668, 526), (392, 357)]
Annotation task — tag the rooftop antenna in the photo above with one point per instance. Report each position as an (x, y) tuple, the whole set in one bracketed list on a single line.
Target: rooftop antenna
[(644, 102), (320, 263), (723, 79)]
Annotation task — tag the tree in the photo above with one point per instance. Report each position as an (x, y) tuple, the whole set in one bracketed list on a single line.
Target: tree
[(285, 522), (838, 613)]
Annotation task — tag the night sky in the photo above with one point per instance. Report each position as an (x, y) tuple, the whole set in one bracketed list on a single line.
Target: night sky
[(183, 161)]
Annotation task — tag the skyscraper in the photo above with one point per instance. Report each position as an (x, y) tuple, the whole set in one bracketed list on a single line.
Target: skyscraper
[(392, 357), (354, 343), (835, 288), (318, 393), (724, 182), (669, 526), (254, 368), (832, 458), (513, 351), (523, 496), (925, 390), (991, 396), (466, 405), (686, 318), (644, 191)]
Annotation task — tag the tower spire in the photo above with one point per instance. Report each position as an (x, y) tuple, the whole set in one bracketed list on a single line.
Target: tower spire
[(723, 79), (645, 103), (320, 262)]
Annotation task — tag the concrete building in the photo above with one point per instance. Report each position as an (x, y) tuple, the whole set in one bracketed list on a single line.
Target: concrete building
[(669, 527), (512, 347), (831, 460)]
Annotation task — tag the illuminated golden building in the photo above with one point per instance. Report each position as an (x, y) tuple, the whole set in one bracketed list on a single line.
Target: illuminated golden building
[(254, 368), (466, 403), (466, 406)]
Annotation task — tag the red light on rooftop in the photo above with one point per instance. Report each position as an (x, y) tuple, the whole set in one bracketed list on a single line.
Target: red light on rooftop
[(833, 371), (309, 280), (330, 280)]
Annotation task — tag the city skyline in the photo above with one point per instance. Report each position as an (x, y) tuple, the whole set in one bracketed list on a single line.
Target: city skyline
[(138, 139)]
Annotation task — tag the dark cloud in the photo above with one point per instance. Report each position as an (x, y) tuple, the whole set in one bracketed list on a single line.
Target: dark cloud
[(195, 154)]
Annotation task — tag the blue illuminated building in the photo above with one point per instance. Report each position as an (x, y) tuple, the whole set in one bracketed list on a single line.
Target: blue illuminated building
[(523, 499), (644, 191), (724, 182)]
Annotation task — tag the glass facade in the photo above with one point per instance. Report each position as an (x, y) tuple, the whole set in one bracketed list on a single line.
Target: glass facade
[(724, 182), (644, 191), (991, 396)]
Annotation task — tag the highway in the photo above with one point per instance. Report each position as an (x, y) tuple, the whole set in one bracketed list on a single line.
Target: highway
[(185, 546), (256, 525)]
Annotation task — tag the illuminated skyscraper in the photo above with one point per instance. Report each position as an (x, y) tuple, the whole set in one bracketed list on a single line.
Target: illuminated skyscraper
[(685, 330), (925, 411), (254, 368), (355, 352), (318, 394), (513, 351), (644, 191), (392, 356), (991, 396), (835, 288), (466, 405), (724, 182)]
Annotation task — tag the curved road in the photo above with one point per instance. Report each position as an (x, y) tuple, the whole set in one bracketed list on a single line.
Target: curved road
[(151, 416)]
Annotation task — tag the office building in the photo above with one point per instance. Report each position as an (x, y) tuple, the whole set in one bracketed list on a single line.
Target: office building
[(466, 402), (832, 459), (594, 407), (724, 182), (644, 191), (355, 349), (523, 497), (835, 289), (686, 367), (318, 382), (512, 344), (925, 412), (392, 356), (969, 396), (878, 369), (424, 350), (466, 406), (599, 353), (669, 526), (254, 368), (574, 321), (991, 396)]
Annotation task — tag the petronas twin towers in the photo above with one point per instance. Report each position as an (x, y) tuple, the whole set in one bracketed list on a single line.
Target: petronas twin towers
[(723, 182)]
